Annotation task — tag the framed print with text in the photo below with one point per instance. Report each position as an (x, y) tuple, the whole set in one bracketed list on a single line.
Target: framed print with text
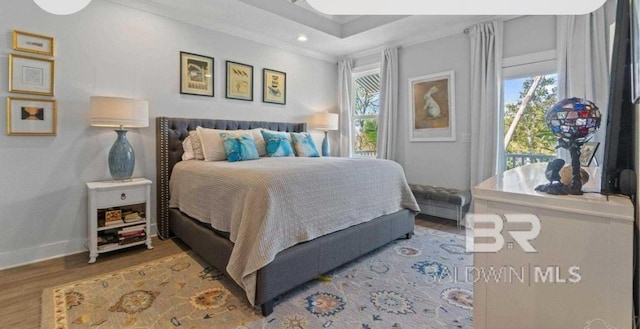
[(31, 75), (196, 74), (31, 117), (274, 87), (239, 81), (32, 43), (587, 153), (432, 113)]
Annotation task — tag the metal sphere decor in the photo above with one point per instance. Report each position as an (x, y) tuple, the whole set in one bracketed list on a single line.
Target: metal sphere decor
[(573, 121)]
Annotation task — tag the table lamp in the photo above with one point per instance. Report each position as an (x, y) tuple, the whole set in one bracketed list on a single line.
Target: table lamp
[(573, 121), (121, 113), (325, 121)]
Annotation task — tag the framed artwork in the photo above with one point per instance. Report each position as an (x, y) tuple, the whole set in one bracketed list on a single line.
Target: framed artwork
[(31, 75), (31, 117), (32, 43), (274, 86), (635, 50), (432, 115), (239, 81), (587, 153), (196, 74)]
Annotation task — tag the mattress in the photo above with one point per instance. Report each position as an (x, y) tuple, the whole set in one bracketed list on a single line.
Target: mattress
[(270, 204)]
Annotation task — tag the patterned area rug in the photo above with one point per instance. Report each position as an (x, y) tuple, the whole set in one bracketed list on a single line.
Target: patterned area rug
[(415, 283)]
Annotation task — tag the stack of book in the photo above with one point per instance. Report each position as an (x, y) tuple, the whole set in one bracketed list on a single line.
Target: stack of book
[(132, 216), (132, 234), (107, 240)]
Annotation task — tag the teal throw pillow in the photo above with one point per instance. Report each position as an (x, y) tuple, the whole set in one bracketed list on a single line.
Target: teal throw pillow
[(239, 147), (277, 143), (303, 145)]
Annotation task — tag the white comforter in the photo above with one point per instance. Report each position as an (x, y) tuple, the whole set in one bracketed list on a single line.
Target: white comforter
[(270, 204)]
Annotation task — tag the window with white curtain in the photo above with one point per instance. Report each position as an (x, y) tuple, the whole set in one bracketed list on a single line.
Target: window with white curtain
[(529, 89), (366, 105)]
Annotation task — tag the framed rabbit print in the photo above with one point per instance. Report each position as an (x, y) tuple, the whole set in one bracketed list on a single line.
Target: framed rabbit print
[(432, 114)]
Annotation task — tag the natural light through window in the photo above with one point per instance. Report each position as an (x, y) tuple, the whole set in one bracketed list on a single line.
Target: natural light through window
[(366, 105), (526, 136)]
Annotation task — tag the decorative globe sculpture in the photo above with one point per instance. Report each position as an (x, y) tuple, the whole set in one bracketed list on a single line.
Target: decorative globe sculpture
[(573, 121)]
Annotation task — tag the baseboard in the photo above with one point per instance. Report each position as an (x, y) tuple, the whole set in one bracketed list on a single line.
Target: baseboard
[(40, 253), (21, 257)]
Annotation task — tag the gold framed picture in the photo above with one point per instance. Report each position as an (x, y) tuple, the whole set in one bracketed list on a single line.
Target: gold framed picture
[(32, 43), (239, 81), (31, 117), (196, 74), (274, 87), (432, 114), (31, 75)]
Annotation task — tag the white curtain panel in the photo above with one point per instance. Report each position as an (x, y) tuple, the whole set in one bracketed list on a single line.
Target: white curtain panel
[(388, 115), (486, 52), (345, 90), (583, 64)]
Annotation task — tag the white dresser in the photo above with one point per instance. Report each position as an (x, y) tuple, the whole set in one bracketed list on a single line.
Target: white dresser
[(582, 271)]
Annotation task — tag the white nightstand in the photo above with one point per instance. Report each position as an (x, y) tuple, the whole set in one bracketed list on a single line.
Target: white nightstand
[(119, 215)]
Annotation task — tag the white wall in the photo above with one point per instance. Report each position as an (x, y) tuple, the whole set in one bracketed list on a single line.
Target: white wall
[(436, 163), (112, 50), (447, 163)]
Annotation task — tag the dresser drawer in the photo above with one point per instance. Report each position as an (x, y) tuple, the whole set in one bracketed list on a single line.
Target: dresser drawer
[(121, 196)]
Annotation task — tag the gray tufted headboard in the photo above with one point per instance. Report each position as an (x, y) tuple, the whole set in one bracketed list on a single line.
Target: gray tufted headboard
[(170, 132)]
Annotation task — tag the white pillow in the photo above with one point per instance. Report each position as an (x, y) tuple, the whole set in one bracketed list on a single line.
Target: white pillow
[(188, 149), (258, 139), (196, 145), (212, 144)]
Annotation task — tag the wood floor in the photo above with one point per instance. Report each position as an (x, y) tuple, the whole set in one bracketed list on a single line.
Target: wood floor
[(21, 287)]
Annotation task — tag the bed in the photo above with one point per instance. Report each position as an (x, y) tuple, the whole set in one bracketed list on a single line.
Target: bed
[(310, 255)]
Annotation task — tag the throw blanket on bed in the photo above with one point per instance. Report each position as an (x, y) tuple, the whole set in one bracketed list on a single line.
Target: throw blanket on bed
[(270, 204)]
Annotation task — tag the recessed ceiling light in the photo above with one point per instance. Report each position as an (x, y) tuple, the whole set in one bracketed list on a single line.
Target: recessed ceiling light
[(302, 38)]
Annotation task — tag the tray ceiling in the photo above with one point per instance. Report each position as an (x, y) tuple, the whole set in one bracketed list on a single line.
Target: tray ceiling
[(280, 22)]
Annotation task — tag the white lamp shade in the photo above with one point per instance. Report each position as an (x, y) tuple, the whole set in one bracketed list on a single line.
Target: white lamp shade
[(62, 7), (325, 121), (116, 112)]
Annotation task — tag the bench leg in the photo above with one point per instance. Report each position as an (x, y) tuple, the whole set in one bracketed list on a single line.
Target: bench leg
[(459, 217), (408, 235), (267, 308)]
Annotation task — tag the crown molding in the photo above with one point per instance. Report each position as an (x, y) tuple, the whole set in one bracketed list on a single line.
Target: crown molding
[(448, 31)]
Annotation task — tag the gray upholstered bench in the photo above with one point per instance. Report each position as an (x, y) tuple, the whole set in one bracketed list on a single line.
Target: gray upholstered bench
[(441, 201)]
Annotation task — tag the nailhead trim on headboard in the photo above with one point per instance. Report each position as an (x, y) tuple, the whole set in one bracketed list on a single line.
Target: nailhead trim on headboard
[(170, 132)]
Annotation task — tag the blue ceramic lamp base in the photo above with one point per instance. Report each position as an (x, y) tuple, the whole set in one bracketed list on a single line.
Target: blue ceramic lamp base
[(121, 157), (326, 149)]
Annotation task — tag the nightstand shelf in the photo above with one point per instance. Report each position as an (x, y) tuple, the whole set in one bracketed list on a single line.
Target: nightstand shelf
[(112, 202), (104, 228)]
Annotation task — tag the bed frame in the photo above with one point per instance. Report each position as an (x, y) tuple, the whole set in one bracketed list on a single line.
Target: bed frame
[(291, 267)]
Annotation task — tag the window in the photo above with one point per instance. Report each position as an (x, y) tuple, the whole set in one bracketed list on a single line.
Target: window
[(366, 105), (528, 91)]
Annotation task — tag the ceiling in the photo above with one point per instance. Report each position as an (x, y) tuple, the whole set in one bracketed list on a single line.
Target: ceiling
[(280, 22)]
